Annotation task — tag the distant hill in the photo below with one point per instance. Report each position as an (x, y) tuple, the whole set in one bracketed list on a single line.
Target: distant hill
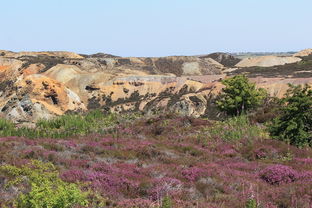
[(36, 85)]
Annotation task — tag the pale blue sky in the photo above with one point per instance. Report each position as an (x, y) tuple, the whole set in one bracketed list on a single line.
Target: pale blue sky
[(155, 27)]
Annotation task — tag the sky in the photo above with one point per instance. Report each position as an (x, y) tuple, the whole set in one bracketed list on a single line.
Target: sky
[(155, 27)]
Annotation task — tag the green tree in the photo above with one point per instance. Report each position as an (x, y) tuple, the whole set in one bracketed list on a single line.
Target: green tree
[(239, 95), (294, 124)]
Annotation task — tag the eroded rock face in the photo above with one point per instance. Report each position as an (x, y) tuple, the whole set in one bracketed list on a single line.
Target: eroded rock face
[(225, 59), (41, 85)]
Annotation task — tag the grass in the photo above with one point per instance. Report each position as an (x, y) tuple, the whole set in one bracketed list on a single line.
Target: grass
[(65, 126), (234, 129)]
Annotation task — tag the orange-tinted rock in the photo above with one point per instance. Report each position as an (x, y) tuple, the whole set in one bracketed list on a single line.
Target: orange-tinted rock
[(32, 69)]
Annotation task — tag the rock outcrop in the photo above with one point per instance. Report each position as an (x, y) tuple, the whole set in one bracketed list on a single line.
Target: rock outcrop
[(41, 85)]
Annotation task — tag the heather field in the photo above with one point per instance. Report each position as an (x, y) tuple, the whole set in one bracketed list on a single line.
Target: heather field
[(158, 161)]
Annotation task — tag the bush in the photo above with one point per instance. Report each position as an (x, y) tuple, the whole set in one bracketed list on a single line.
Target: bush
[(251, 203), (166, 202), (279, 174), (40, 186), (294, 125), (239, 96)]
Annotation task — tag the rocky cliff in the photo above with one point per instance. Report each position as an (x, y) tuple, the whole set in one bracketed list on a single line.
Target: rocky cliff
[(36, 85)]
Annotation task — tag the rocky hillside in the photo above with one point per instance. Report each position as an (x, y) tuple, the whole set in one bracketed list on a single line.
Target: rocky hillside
[(35, 85)]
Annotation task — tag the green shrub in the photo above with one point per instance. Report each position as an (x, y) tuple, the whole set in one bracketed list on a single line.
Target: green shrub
[(166, 202), (239, 96), (44, 188), (294, 124), (251, 203)]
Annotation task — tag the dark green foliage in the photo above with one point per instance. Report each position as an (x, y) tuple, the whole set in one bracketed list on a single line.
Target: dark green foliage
[(239, 96), (294, 125)]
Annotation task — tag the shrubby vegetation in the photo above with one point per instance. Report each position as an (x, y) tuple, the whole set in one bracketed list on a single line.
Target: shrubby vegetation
[(166, 202), (239, 96), (165, 161), (47, 190), (294, 122), (251, 203), (67, 125), (235, 128)]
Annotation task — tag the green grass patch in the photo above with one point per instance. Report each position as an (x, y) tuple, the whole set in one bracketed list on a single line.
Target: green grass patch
[(234, 129), (66, 125)]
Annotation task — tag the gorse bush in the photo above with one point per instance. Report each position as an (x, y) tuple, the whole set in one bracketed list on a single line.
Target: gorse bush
[(42, 187), (294, 124), (239, 96)]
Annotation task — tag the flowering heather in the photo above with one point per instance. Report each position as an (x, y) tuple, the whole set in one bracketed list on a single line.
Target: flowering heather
[(137, 203), (279, 174), (265, 152), (164, 186), (193, 173), (307, 161), (137, 164)]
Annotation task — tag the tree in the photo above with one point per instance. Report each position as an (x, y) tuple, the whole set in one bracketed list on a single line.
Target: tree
[(294, 124), (239, 95)]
